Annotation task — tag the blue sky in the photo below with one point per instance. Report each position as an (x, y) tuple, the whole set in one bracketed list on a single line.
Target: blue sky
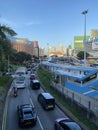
[(49, 21)]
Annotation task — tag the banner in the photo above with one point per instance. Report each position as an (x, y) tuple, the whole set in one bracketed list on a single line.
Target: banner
[(95, 45)]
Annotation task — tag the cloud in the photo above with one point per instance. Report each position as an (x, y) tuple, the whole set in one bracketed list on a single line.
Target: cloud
[(32, 23), (7, 22), (18, 24)]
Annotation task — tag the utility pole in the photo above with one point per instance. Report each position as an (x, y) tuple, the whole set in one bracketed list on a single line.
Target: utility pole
[(84, 40)]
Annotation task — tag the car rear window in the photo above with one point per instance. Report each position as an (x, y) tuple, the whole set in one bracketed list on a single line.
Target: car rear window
[(19, 82), (50, 101), (28, 114)]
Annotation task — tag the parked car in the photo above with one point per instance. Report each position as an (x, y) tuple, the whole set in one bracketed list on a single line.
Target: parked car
[(66, 124), (46, 100), (26, 115), (35, 84)]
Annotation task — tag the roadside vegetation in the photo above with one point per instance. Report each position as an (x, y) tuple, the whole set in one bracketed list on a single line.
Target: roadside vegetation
[(3, 81), (45, 78)]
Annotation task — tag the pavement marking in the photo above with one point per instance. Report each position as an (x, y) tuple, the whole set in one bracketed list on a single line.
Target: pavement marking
[(40, 123), (37, 116)]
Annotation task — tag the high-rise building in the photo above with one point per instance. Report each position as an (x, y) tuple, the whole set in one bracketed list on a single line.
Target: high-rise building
[(78, 42), (23, 44), (91, 45), (94, 33), (41, 51), (36, 48)]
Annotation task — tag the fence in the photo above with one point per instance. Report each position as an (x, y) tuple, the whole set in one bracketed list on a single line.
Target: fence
[(86, 105)]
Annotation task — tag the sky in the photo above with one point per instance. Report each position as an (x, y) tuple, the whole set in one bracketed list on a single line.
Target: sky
[(50, 22)]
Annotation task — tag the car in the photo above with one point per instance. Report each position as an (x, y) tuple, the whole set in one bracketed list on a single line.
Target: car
[(35, 84), (65, 123), (26, 115), (19, 81), (21, 71), (32, 76), (46, 100)]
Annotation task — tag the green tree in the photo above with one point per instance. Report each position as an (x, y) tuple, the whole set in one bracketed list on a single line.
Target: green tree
[(80, 55), (22, 57), (5, 45), (5, 31)]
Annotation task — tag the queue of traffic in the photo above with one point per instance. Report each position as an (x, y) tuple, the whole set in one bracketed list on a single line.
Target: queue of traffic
[(27, 116)]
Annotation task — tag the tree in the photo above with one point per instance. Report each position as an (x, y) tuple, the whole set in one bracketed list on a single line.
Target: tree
[(80, 55), (5, 45), (5, 30), (22, 57)]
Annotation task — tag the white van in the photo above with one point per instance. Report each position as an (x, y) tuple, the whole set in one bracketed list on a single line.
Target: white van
[(21, 71), (19, 82)]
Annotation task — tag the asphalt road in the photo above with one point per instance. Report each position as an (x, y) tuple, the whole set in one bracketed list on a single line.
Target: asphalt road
[(45, 119)]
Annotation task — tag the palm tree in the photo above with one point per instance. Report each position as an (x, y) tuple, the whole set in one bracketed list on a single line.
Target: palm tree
[(4, 30)]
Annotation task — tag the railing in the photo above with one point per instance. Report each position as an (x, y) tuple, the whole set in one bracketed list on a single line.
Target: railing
[(89, 103)]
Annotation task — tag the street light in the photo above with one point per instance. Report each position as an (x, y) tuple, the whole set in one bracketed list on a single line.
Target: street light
[(84, 40), (48, 50), (8, 64)]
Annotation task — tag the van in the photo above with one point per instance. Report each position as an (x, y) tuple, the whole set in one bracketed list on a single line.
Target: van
[(35, 84), (46, 100), (21, 71), (19, 81)]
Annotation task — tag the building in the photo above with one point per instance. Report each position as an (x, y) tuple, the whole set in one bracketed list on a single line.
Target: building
[(36, 49), (56, 53), (91, 44), (24, 45), (41, 52), (78, 43), (94, 33)]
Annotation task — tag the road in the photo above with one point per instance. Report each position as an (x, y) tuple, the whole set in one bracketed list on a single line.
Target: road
[(45, 119)]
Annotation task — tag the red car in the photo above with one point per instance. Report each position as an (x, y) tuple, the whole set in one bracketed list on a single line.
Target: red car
[(66, 124), (32, 76)]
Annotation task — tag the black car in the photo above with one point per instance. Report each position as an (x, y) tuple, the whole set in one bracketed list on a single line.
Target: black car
[(64, 123), (46, 100), (26, 115), (35, 84)]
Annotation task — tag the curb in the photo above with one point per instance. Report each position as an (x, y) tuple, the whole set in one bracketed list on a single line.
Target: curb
[(3, 100)]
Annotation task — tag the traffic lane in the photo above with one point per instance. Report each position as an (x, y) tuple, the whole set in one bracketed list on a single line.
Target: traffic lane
[(12, 117), (47, 118)]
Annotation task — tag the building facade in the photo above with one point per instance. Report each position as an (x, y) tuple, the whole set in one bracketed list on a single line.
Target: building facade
[(23, 44), (36, 48), (91, 44)]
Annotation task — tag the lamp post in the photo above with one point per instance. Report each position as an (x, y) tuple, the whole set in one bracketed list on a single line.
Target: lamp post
[(8, 64), (48, 50), (84, 40)]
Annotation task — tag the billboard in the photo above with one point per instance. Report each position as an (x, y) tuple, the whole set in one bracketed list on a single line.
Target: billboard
[(95, 45)]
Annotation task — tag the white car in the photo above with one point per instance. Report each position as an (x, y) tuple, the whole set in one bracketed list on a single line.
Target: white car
[(20, 82)]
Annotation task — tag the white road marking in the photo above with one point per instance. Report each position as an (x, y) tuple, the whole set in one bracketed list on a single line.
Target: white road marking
[(37, 116)]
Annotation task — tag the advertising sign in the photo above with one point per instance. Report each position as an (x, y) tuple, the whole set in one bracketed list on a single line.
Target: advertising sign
[(95, 45)]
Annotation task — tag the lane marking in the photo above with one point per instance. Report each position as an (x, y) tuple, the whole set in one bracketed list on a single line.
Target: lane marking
[(40, 123), (37, 116)]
